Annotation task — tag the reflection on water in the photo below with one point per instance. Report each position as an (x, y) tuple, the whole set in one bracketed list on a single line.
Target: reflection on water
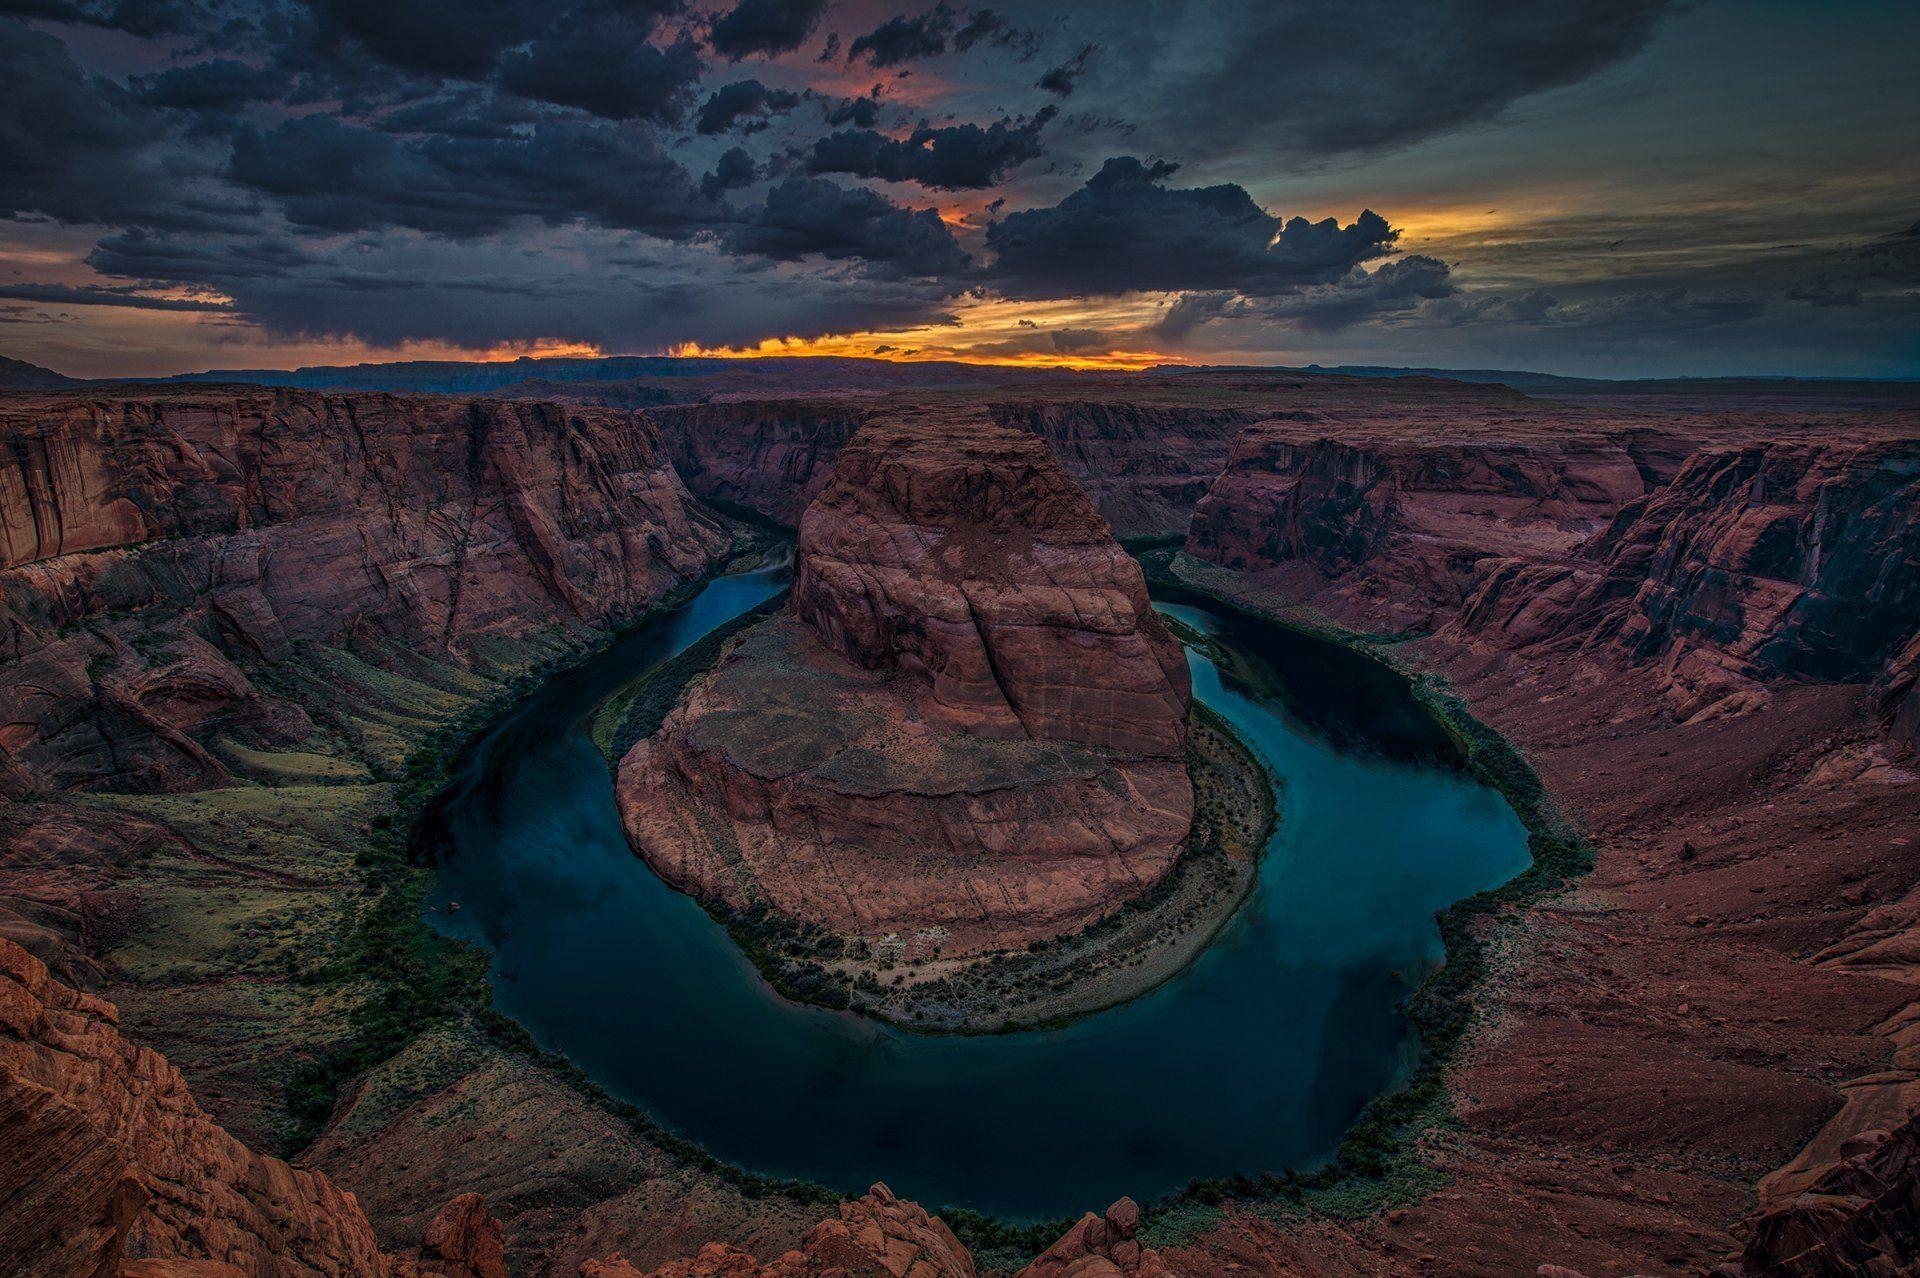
[(1254, 1059)]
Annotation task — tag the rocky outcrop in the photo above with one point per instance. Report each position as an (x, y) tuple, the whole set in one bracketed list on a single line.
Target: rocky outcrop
[(971, 728), (771, 456), (1860, 1216), (158, 549), (876, 1236), (1100, 1247), (1388, 530), (1898, 690), (1145, 465), (109, 1156), (1768, 561)]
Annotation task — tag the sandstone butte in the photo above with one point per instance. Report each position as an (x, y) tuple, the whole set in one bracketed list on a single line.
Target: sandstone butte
[(970, 724)]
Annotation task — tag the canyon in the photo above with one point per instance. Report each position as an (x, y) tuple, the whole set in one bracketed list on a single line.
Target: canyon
[(233, 613)]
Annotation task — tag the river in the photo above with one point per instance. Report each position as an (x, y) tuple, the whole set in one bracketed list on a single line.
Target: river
[(1254, 1059)]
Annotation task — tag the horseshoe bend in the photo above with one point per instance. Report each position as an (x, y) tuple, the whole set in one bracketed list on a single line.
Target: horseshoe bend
[(919, 639)]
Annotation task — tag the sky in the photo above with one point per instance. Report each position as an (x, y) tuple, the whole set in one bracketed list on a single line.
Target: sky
[(1619, 188)]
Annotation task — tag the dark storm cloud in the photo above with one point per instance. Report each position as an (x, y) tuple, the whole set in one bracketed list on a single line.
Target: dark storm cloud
[(904, 39), (862, 113), (747, 100), (1061, 79), (1296, 77), (77, 147), (219, 85), (119, 295), (734, 170), (805, 217), (404, 287), (136, 17), (765, 27), (591, 67), (1126, 230), (337, 177), (437, 37), (1396, 287), (960, 157)]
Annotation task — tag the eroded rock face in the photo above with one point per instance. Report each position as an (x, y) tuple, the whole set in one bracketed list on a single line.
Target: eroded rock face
[(962, 555), (876, 1236), (112, 1170), (1100, 1247), (1857, 1216), (141, 1170), (972, 723), (1778, 560), (1389, 531), (154, 549), (772, 456), (1145, 465)]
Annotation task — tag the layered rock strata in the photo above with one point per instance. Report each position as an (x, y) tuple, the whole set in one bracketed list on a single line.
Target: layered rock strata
[(112, 1168), (157, 549), (970, 729)]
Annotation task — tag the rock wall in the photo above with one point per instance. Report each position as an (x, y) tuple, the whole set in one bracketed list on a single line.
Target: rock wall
[(771, 456), (1757, 563), (972, 726), (1145, 465), (108, 1156), (1391, 531), (158, 549), (967, 558)]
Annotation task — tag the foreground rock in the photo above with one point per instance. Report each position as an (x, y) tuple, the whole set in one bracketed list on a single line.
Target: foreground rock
[(968, 735), (877, 1236), (112, 1168), (157, 549)]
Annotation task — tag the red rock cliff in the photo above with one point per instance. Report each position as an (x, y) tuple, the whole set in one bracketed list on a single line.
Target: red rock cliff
[(1384, 527), (972, 723), (1775, 560), (159, 546)]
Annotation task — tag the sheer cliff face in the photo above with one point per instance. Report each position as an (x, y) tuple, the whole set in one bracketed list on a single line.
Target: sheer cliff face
[(972, 721), (1144, 465), (1390, 532), (109, 1157), (158, 548), (1779, 560), (771, 456)]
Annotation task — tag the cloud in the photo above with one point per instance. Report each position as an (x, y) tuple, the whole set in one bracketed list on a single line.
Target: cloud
[(79, 148), (734, 169), (744, 99), (407, 287), (960, 157), (807, 217), (218, 85), (96, 295), (765, 27), (1125, 230), (599, 68), (1061, 79), (338, 177), (903, 39)]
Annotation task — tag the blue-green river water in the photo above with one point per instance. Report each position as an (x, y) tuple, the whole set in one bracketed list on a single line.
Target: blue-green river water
[(1254, 1059)]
